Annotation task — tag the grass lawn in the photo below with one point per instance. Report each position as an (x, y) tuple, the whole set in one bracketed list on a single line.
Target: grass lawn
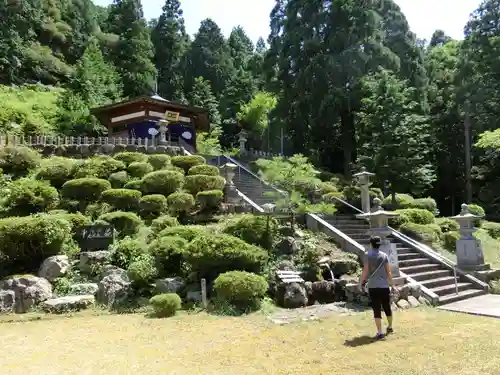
[(427, 341)]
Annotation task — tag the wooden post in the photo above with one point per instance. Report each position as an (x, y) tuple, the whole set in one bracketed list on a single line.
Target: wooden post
[(204, 293)]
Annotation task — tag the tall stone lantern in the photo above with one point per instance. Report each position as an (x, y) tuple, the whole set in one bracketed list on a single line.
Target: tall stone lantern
[(230, 192), (379, 226), (242, 139), (363, 179), (470, 255), (162, 128)]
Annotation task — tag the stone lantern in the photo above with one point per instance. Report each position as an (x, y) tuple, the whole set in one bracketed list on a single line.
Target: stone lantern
[(468, 248), (230, 192), (363, 179), (162, 128), (242, 138), (379, 226)]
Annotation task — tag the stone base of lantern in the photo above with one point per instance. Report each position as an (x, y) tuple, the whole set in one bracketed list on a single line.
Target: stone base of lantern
[(470, 255), (231, 195)]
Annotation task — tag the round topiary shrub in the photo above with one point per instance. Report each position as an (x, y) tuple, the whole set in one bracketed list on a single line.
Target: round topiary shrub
[(162, 223), (131, 157), (133, 185), (25, 197), (204, 169), (166, 305), (195, 184), (18, 161), (492, 228), (213, 254), (188, 232), (401, 201), (252, 229), (159, 161), (85, 189), (125, 251), (76, 220), (180, 204), (417, 215), (186, 162), (94, 210), (447, 224), (142, 271), (243, 291), (428, 204), (152, 206), (25, 242), (56, 170), (139, 169), (450, 241), (476, 209), (210, 199), (162, 182), (118, 179), (397, 221), (99, 167), (169, 255), (126, 223), (122, 199), (429, 233)]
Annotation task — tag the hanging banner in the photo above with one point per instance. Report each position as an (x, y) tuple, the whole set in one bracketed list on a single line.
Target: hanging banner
[(171, 116)]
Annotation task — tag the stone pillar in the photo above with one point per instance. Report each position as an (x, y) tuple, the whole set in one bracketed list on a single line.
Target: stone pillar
[(163, 128), (242, 138), (363, 179), (379, 226), (468, 248), (230, 192)]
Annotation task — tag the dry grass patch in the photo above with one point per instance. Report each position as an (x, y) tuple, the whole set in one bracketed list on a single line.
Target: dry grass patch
[(427, 342)]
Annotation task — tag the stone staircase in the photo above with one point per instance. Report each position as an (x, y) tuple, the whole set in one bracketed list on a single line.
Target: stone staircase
[(426, 271)]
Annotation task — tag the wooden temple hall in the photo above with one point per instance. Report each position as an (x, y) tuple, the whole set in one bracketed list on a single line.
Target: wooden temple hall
[(143, 116)]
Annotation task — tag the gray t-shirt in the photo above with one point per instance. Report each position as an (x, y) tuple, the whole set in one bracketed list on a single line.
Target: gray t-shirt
[(379, 279)]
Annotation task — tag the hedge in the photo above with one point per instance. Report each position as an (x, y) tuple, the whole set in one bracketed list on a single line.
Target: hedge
[(180, 203), (185, 162), (139, 169), (124, 251), (56, 170), (188, 232), (169, 255), (130, 157), (417, 215), (152, 206), (118, 179), (210, 199), (26, 196), (18, 161), (99, 167), (122, 199), (162, 182), (85, 189), (166, 304), (429, 233), (252, 229), (159, 161), (195, 184), (162, 223), (203, 169), (126, 223)]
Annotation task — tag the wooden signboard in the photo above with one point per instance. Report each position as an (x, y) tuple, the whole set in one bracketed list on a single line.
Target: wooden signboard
[(96, 237), (171, 116)]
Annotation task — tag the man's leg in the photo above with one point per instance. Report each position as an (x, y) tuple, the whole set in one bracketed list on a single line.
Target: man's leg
[(377, 309), (386, 305)]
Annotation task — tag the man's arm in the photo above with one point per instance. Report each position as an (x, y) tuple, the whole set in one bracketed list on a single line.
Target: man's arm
[(389, 274), (364, 274)]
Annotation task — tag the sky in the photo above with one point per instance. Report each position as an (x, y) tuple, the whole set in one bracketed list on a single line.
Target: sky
[(424, 16)]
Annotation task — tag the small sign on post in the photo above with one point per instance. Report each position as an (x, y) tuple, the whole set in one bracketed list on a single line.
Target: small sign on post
[(171, 116), (96, 237)]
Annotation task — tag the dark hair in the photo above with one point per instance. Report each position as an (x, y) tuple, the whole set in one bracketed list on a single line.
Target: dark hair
[(375, 242)]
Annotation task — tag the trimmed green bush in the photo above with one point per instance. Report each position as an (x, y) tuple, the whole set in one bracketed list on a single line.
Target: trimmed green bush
[(252, 229), (56, 170), (174, 169), (402, 201), (94, 210), (195, 184), (213, 254), (429, 233), (210, 199), (139, 169), (450, 241), (186, 162), (188, 232), (133, 185), (85, 189), (397, 221), (492, 228), (204, 169), (76, 220), (118, 179), (159, 161), (25, 242), (131, 157), (142, 271), (166, 305), (180, 204), (428, 204), (99, 167), (152, 206), (243, 291), (417, 215), (447, 224), (126, 223), (122, 199), (123, 252), (18, 161), (162, 223), (162, 182), (352, 194), (476, 209), (169, 255), (25, 197)]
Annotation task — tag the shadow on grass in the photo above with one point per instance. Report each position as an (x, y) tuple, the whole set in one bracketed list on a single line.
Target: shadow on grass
[(360, 341)]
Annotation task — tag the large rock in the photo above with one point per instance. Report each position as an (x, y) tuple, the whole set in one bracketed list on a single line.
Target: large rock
[(66, 304), (54, 267), (29, 290), (287, 246), (343, 266), (113, 289), (170, 285), (109, 269), (7, 301), (91, 259), (291, 295), (403, 304), (323, 291), (83, 289), (413, 301)]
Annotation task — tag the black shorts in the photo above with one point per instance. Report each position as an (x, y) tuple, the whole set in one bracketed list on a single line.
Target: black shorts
[(380, 299)]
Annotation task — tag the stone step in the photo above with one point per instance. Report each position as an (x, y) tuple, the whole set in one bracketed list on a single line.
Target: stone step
[(444, 290), (465, 294), (420, 268), (407, 256), (440, 281), (350, 231), (413, 262), (402, 250), (429, 275)]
